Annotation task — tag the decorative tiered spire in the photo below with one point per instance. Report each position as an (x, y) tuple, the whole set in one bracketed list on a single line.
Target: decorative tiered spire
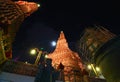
[(62, 54)]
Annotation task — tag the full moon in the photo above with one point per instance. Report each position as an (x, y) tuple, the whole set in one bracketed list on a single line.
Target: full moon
[(53, 43)]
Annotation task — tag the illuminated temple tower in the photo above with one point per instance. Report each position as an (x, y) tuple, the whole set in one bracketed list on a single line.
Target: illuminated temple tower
[(69, 59), (12, 15)]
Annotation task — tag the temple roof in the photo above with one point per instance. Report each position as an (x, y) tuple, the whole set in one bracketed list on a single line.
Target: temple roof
[(62, 54)]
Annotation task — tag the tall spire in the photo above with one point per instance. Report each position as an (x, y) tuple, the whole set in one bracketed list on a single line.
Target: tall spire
[(61, 43), (65, 56), (62, 53)]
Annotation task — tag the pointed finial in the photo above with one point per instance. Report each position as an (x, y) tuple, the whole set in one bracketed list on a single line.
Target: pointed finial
[(61, 31), (62, 36)]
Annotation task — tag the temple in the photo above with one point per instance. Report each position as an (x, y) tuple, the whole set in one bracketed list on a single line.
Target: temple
[(12, 14), (71, 61), (91, 40), (98, 46)]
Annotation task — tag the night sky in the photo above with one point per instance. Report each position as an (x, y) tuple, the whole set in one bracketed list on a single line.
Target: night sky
[(69, 16)]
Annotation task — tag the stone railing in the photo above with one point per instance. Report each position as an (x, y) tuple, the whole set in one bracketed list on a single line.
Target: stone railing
[(19, 68)]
